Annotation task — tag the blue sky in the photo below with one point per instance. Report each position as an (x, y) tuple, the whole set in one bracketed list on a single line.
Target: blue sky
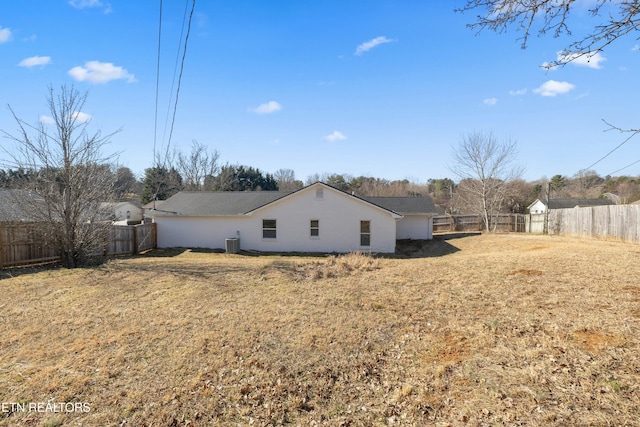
[(380, 88)]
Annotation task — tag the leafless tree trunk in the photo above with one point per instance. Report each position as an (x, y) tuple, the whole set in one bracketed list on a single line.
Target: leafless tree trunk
[(485, 167), (72, 177)]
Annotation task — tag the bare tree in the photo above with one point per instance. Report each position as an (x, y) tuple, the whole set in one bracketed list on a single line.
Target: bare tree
[(286, 179), (485, 167), (611, 20), (72, 177), (587, 184), (198, 167)]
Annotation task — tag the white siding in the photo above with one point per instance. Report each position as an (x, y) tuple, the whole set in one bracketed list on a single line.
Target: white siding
[(199, 232), (415, 227), (122, 209), (339, 217), (537, 207)]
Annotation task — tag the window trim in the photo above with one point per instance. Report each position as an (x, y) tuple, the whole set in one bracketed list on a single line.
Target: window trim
[(365, 233), (268, 230), (315, 228)]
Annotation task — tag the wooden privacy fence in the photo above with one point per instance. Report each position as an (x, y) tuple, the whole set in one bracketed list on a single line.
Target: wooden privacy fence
[(130, 239), (20, 244), (501, 222), (616, 222), (535, 223)]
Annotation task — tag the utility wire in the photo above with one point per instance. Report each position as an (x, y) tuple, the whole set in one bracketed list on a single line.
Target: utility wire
[(628, 166), (634, 132), (155, 124), (175, 72), (175, 107), (184, 54)]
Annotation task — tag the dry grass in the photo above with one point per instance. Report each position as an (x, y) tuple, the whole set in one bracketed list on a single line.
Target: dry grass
[(481, 330)]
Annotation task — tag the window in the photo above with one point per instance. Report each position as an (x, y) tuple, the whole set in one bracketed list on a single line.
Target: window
[(315, 228), (268, 228), (365, 233), (319, 193)]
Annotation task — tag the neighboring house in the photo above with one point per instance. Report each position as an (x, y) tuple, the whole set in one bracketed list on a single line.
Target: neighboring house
[(155, 204), (615, 198), (316, 218), (123, 213), (14, 205), (539, 206)]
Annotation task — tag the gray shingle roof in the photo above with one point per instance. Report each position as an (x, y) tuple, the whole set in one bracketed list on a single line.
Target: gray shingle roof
[(572, 203), (192, 203), (204, 203), (405, 205), (10, 207)]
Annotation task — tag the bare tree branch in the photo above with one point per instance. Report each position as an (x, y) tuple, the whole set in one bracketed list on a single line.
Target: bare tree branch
[(611, 20)]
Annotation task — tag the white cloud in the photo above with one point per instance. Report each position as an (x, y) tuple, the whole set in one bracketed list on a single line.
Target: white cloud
[(335, 136), (366, 46), (490, 101), (518, 92), (80, 117), (5, 35), (590, 60), (47, 120), (636, 48), (100, 72), (268, 108), (553, 88), (84, 4), (35, 60)]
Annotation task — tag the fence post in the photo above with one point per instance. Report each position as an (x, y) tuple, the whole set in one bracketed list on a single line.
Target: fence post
[(135, 240), (2, 243)]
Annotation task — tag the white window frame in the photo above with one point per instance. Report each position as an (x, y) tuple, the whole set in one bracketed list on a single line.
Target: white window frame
[(268, 230), (315, 228), (365, 233)]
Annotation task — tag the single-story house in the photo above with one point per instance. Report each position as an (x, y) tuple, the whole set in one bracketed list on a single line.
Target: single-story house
[(123, 213), (539, 206), (316, 218)]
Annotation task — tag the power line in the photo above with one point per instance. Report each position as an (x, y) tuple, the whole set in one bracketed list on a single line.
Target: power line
[(633, 132), (628, 166), (175, 71), (155, 123), (610, 152), (184, 55), (175, 106)]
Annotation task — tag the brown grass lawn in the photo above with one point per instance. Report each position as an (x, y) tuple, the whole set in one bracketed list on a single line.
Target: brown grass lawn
[(490, 330)]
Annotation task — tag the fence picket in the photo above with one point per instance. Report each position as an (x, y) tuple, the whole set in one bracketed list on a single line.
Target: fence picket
[(614, 222), (501, 222), (19, 243)]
